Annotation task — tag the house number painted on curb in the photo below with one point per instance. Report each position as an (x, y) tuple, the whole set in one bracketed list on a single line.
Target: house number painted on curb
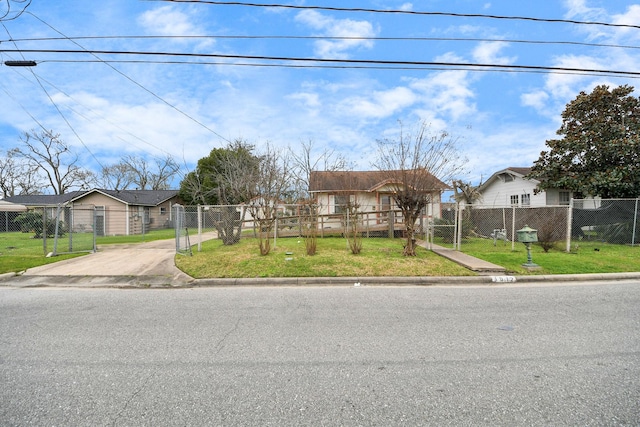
[(503, 279)]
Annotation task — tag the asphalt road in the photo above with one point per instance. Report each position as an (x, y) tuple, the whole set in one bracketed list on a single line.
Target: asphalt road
[(291, 356)]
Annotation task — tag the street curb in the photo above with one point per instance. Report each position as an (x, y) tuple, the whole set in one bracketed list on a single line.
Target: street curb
[(411, 281), (168, 282)]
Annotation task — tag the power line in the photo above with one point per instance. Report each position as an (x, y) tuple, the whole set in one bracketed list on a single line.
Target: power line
[(356, 38), (158, 97), (480, 66), (6, 16), (405, 12), (325, 66), (35, 76)]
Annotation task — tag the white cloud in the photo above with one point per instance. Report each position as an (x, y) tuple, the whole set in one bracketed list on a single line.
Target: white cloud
[(407, 6), (167, 20), (379, 104), (536, 99), (447, 94), (308, 99), (630, 17), (489, 53), (352, 30), (579, 8), (561, 88)]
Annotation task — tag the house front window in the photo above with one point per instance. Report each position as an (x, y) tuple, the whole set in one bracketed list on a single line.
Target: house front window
[(564, 198), (146, 215), (514, 200), (526, 199), (340, 202), (385, 203)]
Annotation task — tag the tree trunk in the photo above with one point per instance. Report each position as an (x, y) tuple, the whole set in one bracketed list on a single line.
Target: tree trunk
[(409, 223)]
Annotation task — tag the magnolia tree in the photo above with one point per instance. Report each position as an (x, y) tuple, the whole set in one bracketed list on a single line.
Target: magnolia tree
[(598, 151), (417, 163)]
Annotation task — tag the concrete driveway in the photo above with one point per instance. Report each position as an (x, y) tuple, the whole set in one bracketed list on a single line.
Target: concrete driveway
[(150, 262)]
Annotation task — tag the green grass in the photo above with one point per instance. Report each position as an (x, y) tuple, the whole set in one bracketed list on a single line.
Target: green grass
[(20, 251), (167, 233), (585, 257), (379, 257)]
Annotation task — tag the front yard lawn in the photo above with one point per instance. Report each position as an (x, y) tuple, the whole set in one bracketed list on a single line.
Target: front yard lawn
[(585, 257), (379, 257)]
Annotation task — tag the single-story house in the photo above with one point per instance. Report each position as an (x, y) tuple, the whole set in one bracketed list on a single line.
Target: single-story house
[(118, 212), (512, 187), (8, 212), (372, 190)]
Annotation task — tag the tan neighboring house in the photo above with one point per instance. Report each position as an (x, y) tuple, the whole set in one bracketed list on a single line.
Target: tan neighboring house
[(372, 190), (8, 213), (118, 212)]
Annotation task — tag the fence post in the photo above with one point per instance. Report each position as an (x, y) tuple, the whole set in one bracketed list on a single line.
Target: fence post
[(513, 228), (95, 229), (44, 227), (199, 219), (635, 224), (569, 224), (391, 219), (457, 228)]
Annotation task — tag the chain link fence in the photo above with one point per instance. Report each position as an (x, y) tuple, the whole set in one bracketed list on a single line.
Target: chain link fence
[(80, 227), (65, 229), (75, 229), (613, 221), (62, 229)]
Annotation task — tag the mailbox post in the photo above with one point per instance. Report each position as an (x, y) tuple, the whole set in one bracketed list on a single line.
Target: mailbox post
[(528, 235)]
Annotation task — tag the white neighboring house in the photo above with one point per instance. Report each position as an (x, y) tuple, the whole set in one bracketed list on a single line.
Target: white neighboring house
[(512, 187)]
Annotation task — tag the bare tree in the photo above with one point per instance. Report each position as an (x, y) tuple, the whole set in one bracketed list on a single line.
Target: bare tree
[(305, 159), (150, 176), (416, 165), (271, 182), (116, 177), (51, 156), (18, 177), (465, 192)]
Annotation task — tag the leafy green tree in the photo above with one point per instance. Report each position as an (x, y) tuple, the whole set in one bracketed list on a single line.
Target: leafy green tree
[(227, 177), (598, 153), (33, 221)]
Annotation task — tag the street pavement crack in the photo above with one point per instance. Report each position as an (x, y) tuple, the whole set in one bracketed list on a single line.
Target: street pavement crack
[(220, 344), (133, 396)]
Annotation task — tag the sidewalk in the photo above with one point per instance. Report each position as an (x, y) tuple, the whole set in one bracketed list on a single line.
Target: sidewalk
[(474, 264)]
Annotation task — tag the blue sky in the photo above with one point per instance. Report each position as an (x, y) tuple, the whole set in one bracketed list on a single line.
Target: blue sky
[(107, 110)]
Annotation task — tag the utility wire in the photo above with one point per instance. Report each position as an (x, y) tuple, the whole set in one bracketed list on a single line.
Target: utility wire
[(6, 15), (158, 97), (332, 61), (326, 66), (405, 12), (35, 76), (286, 37)]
